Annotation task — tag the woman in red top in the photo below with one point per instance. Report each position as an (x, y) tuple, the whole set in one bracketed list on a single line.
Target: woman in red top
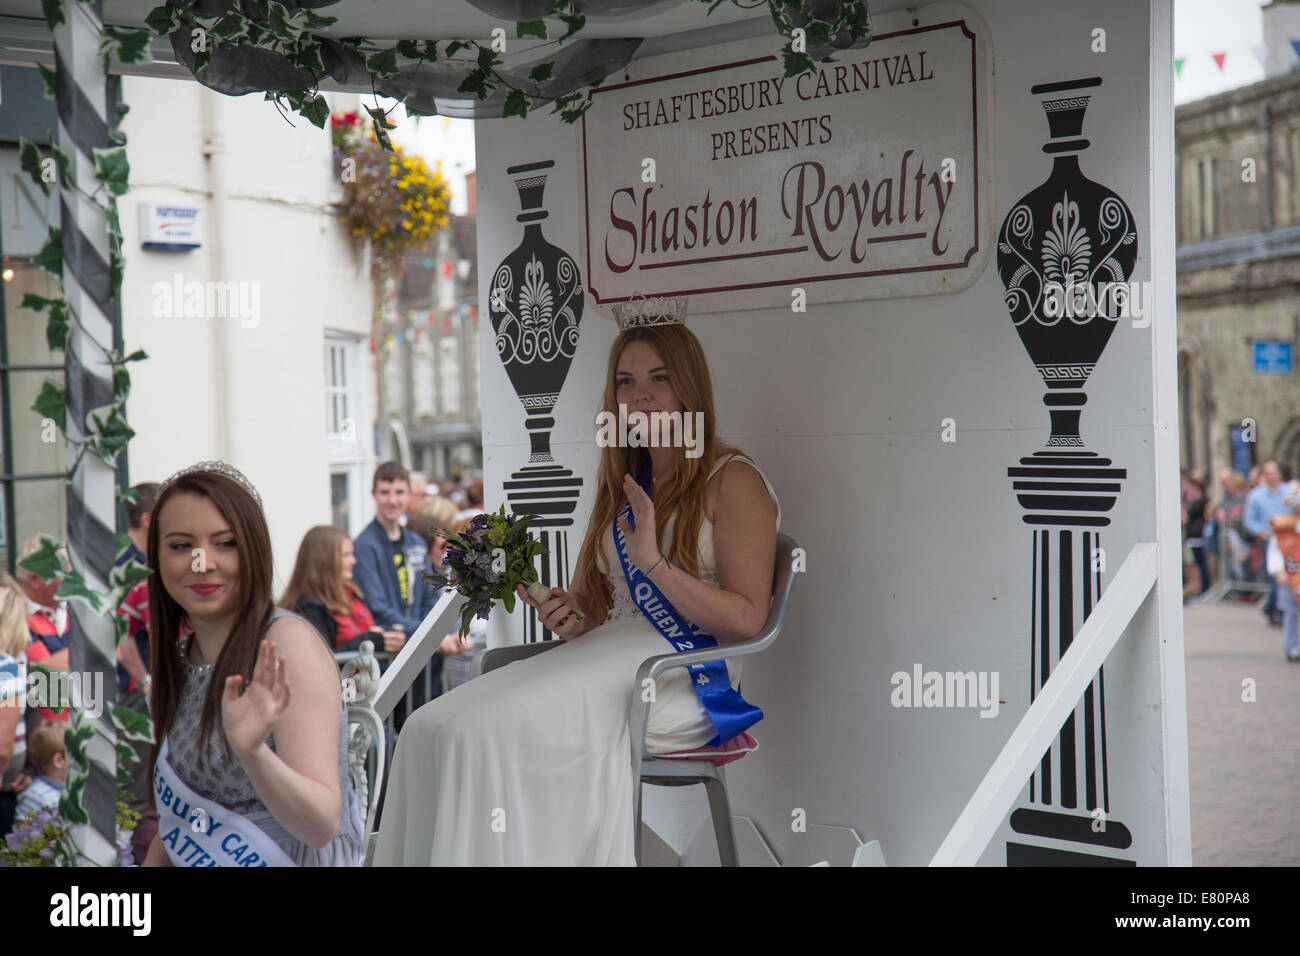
[(322, 590)]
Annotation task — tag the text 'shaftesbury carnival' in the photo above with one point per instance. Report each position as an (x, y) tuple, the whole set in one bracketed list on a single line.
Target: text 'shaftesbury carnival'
[(875, 169)]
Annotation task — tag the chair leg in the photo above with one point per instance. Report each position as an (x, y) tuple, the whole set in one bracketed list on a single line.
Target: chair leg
[(636, 819), (720, 809)]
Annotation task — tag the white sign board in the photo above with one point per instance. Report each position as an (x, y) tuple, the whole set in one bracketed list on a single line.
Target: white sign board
[(869, 178), (169, 226)]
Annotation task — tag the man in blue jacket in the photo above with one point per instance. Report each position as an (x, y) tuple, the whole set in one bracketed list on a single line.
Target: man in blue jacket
[(391, 563)]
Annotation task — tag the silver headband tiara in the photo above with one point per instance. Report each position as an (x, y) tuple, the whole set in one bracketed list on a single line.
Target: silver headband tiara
[(221, 468), (657, 310)]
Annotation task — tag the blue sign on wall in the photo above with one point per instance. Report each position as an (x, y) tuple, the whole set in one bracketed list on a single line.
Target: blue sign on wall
[(1272, 358)]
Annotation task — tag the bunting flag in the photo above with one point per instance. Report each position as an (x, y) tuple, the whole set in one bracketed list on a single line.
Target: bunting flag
[(82, 98), (1178, 65), (1295, 45), (1260, 53), (1218, 59)]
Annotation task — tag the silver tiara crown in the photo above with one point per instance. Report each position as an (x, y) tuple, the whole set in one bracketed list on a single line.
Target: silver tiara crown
[(657, 310), (221, 468)]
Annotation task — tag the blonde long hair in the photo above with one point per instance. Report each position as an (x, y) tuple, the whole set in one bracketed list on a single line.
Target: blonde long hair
[(13, 616), (683, 491)]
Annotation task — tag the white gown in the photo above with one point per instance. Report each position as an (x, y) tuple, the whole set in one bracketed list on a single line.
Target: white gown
[(530, 764)]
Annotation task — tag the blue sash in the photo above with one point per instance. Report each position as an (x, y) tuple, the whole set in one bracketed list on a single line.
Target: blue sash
[(731, 714)]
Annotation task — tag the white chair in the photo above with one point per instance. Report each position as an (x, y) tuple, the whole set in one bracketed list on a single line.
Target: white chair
[(667, 770)]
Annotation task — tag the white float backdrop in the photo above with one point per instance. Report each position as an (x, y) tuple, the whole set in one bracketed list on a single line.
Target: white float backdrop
[(916, 549)]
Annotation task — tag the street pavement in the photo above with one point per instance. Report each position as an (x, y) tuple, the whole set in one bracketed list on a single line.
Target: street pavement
[(1244, 757)]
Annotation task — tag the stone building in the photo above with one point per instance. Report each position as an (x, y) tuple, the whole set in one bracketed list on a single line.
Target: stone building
[(1238, 262)]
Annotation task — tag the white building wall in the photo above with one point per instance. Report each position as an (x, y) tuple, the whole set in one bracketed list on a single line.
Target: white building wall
[(249, 389)]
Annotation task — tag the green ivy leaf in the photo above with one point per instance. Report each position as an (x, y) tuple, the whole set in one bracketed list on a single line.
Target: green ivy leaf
[(797, 63), (121, 622), (130, 574), (476, 83), (314, 21), (114, 223), (116, 272), (308, 57), (70, 807), (455, 46), (516, 104), (277, 22), (51, 81), (317, 111), (30, 159), (134, 725), (56, 327), (229, 28), (74, 588), (574, 22), (53, 10), (487, 58), (125, 45), (112, 169), (508, 601), (51, 402), (531, 28), (383, 63), (541, 72), (121, 383), (50, 258), (381, 126), (121, 542), (63, 163), (162, 19), (75, 741), (111, 435), (127, 494)]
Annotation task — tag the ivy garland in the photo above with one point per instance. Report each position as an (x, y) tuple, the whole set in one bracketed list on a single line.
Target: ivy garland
[(815, 29)]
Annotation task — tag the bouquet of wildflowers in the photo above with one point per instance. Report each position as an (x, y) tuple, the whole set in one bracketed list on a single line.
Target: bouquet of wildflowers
[(487, 563), (41, 838), (33, 840)]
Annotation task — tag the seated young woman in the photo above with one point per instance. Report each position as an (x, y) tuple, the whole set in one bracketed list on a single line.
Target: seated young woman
[(529, 763)]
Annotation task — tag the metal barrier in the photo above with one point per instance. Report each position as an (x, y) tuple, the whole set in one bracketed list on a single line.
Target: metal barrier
[(1226, 585)]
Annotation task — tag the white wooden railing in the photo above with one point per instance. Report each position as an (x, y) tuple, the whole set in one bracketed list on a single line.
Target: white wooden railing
[(416, 653), (1056, 700)]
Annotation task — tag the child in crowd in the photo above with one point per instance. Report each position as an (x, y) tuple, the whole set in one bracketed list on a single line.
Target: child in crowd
[(48, 753)]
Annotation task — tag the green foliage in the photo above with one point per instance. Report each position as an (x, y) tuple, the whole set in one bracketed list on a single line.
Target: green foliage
[(52, 402), (45, 562), (531, 28), (74, 587), (50, 258), (132, 725), (124, 45), (112, 169), (53, 11)]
